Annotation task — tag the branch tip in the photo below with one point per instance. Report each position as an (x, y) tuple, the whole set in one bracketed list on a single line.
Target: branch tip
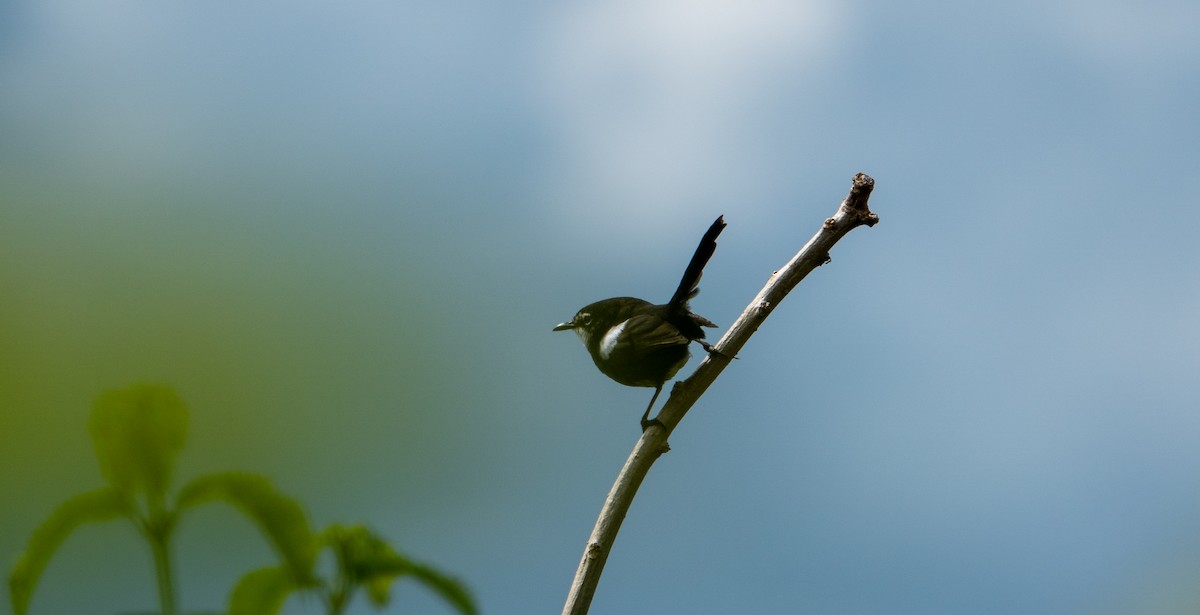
[(856, 202)]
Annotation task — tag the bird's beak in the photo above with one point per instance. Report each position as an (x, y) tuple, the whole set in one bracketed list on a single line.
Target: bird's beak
[(564, 326)]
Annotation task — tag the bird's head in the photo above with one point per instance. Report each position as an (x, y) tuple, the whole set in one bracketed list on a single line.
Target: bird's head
[(583, 324), (591, 322)]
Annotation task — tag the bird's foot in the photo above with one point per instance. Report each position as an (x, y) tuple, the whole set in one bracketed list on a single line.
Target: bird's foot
[(712, 350), (647, 423)]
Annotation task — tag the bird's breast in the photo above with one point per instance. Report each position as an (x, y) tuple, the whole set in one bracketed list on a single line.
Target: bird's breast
[(611, 338)]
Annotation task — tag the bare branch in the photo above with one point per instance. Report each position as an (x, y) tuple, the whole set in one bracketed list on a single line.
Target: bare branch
[(852, 213)]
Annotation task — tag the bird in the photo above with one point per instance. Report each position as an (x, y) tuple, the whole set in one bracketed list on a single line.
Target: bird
[(640, 344)]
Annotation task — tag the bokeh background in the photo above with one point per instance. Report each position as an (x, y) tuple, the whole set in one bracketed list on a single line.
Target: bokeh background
[(344, 231)]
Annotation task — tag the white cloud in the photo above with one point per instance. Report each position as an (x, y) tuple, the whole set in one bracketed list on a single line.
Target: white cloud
[(657, 100)]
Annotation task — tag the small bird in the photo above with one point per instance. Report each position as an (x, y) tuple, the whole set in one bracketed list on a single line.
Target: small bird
[(640, 344)]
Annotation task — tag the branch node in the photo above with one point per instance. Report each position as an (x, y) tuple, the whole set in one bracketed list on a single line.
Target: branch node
[(593, 550)]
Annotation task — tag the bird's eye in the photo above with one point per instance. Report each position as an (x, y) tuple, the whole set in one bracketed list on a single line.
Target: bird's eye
[(584, 319)]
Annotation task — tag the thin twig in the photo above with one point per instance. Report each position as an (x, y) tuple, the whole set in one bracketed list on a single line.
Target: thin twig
[(852, 212)]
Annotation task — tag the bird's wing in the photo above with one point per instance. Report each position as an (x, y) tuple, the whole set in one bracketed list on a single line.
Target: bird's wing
[(649, 331)]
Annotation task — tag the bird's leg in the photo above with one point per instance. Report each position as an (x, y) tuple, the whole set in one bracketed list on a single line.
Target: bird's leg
[(646, 420)]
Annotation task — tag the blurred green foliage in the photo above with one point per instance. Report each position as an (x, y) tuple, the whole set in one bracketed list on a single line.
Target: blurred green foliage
[(364, 561), (137, 433), (278, 517)]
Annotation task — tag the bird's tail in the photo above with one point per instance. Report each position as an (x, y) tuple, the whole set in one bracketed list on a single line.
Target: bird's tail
[(689, 285)]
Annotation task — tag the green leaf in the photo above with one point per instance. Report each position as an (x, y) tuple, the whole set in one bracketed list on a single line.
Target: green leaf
[(451, 589), (280, 518), (261, 592), (99, 505), (368, 560), (137, 433)]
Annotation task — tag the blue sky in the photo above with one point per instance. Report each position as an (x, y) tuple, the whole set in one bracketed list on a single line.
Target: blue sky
[(344, 232)]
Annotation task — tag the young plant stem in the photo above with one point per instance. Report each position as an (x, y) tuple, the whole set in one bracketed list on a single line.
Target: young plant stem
[(852, 213), (162, 569), (338, 598), (156, 524), (339, 595)]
